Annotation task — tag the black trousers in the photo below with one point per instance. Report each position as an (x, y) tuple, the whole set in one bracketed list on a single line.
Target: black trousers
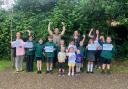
[(29, 63), (98, 61)]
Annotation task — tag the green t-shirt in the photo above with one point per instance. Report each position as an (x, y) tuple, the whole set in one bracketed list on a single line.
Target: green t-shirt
[(51, 44), (30, 51), (38, 50), (107, 53)]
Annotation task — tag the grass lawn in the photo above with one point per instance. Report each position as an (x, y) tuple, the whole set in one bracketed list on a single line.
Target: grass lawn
[(117, 67), (4, 64)]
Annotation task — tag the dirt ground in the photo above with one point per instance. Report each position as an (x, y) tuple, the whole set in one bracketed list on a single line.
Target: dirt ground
[(11, 80)]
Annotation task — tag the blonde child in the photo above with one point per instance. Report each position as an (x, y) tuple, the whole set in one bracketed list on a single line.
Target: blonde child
[(61, 60), (71, 60)]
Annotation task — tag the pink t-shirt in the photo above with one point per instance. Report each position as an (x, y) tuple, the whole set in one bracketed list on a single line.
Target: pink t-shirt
[(20, 51)]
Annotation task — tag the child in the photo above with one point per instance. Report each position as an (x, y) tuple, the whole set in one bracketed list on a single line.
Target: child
[(71, 60), (20, 52), (61, 60), (78, 61), (39, 55), (71, 44), (90, 57), (62, 44), (30, 56), (107, 57), (82, 49), (50, 48)]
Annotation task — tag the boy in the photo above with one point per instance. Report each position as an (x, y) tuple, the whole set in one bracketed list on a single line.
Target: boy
[(61, 60), (30, 55), (39, 55), (106, 56), (50, 48)]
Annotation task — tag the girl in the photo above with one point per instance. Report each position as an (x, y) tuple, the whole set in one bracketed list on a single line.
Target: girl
[(71, 44), (71, 60), (82, 49), (39, 55), (98, 40), (90, 57), (61, 60), (20, 52), (76, 38), (78, 61)]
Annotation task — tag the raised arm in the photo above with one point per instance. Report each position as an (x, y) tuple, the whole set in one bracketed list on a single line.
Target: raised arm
[(29, 32), (90, 33), (49, 29), (63, 29), (97, 34), (83, 38)]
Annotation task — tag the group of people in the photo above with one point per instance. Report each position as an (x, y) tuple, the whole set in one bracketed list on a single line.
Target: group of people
[(56, 52)]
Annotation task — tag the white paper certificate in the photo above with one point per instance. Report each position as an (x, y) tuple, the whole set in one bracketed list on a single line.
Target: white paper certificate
[(91, 47), (107, 47), (28, 45), (48, 48)]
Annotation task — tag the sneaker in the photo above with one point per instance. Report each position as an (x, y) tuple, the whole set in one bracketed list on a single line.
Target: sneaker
[(17, 71), (38, 72), (51, 71), (92, 72), (72, 74), (47, 72), (87, 72), (62, 75), (59, 75), (69, 74)]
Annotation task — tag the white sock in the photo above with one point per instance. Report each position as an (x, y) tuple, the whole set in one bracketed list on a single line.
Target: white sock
[(69, 73), (47, 69), (50, 68), (72, 73), (91, 69), (40, 68), (88, 67)]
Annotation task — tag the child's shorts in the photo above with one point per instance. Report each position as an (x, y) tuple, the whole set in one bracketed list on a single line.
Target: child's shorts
[(50, 59), (78, 64), (39, 58), (71, 64), (106, 61), (61, 65)]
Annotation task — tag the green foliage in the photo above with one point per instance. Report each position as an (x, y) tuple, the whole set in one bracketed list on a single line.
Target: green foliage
[(4, 64), (77, 14)]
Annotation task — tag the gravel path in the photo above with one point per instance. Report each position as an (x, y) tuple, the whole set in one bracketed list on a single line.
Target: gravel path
[(11, 80)]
